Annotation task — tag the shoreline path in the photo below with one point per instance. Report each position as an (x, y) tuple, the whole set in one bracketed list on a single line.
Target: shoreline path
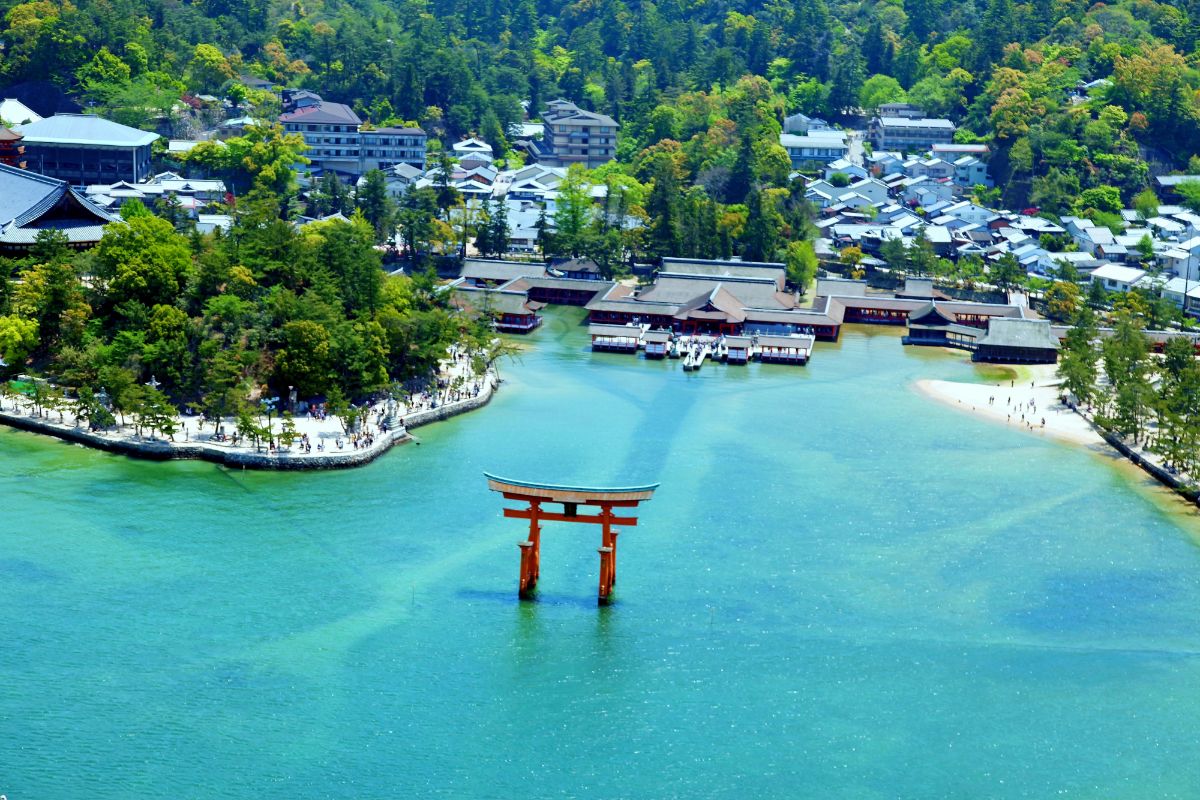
[(1033, 404), (196, 438)]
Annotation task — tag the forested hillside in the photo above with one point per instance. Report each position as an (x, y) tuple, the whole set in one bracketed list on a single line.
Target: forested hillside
[(1005, 72)]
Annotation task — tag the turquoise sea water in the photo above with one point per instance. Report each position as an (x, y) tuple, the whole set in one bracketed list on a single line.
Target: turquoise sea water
[(841, 590)]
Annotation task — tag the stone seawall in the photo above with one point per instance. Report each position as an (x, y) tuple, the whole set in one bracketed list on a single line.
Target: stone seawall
[(160, 450), (1155, 471)]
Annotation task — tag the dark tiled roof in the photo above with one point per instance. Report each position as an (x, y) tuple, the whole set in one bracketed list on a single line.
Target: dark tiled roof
[(1027, 333), (405, 131), (30, 203), (324, 113), (495, 270)]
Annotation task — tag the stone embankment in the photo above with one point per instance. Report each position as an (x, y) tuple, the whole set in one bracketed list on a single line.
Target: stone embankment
[(249, 457)]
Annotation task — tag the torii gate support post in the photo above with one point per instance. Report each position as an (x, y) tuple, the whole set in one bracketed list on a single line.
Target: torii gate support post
[(531, 553)]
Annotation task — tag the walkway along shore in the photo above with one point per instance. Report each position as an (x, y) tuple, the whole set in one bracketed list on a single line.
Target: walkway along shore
[(1038, 400), (247, 456)]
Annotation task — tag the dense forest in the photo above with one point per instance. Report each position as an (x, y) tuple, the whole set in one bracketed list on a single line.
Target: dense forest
[(1005, 72), (157, 319)]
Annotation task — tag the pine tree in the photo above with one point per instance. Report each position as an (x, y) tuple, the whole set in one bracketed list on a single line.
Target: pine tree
[(663, 207), (1079, 357), (483, 229), (498, 233)]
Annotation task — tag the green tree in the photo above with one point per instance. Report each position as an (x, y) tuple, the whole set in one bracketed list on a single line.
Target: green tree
[(1189, 194), (166, 353), (1146, 204), (1007, 272), (1106, 199), (1062, 300), (264, 156), (895, 253), (18, 338), (304, 357), (801, 262), (209, 69), (376, 204), (879, 89), (1079, 357), (662, 205), (143, 260)]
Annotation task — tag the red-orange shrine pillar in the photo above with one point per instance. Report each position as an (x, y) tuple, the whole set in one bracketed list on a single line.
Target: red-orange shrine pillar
[(535, 495)]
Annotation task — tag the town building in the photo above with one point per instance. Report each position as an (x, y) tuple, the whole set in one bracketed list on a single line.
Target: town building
[(574, 136), (816, 148), (339, 142), (31, 203), (192, 194), (802, 124), (910, 135), (84, 149), (1116, 278), (381, 148), (331, 132), (902, 110)]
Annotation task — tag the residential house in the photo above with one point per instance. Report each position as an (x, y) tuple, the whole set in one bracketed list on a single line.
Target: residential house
[(1090, 239), (1166, 227), (192, 194), (1168, 183), (814, 148), (883, 163), (1183, 259), (841, 165), (473, 148), (1176, 289), (969, 212), (932, 168), (969, 172), (400, 177), (801, 124), (1116, 278), (859, 194)]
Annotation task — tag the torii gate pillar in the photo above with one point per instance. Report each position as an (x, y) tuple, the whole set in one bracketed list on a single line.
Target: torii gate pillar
[(535, 495)]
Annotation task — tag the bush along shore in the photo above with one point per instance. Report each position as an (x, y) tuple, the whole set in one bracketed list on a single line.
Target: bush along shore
[(311, 442)]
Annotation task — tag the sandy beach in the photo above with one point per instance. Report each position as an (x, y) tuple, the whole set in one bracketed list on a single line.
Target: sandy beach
[(1030, 404)]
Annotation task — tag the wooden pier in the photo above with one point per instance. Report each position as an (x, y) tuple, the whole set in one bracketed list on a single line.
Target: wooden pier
[(616, 338), (784, 349)]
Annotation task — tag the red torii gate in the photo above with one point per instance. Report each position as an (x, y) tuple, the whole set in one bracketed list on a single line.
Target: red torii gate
[(571, 497)]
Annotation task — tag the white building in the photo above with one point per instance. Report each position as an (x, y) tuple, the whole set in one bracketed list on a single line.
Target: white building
[(1116, 278)]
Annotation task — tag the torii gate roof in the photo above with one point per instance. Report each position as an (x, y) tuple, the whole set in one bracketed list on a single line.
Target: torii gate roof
[(557, 493)]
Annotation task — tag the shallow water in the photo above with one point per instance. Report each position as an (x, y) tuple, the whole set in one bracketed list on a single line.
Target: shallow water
[(841, 590)]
